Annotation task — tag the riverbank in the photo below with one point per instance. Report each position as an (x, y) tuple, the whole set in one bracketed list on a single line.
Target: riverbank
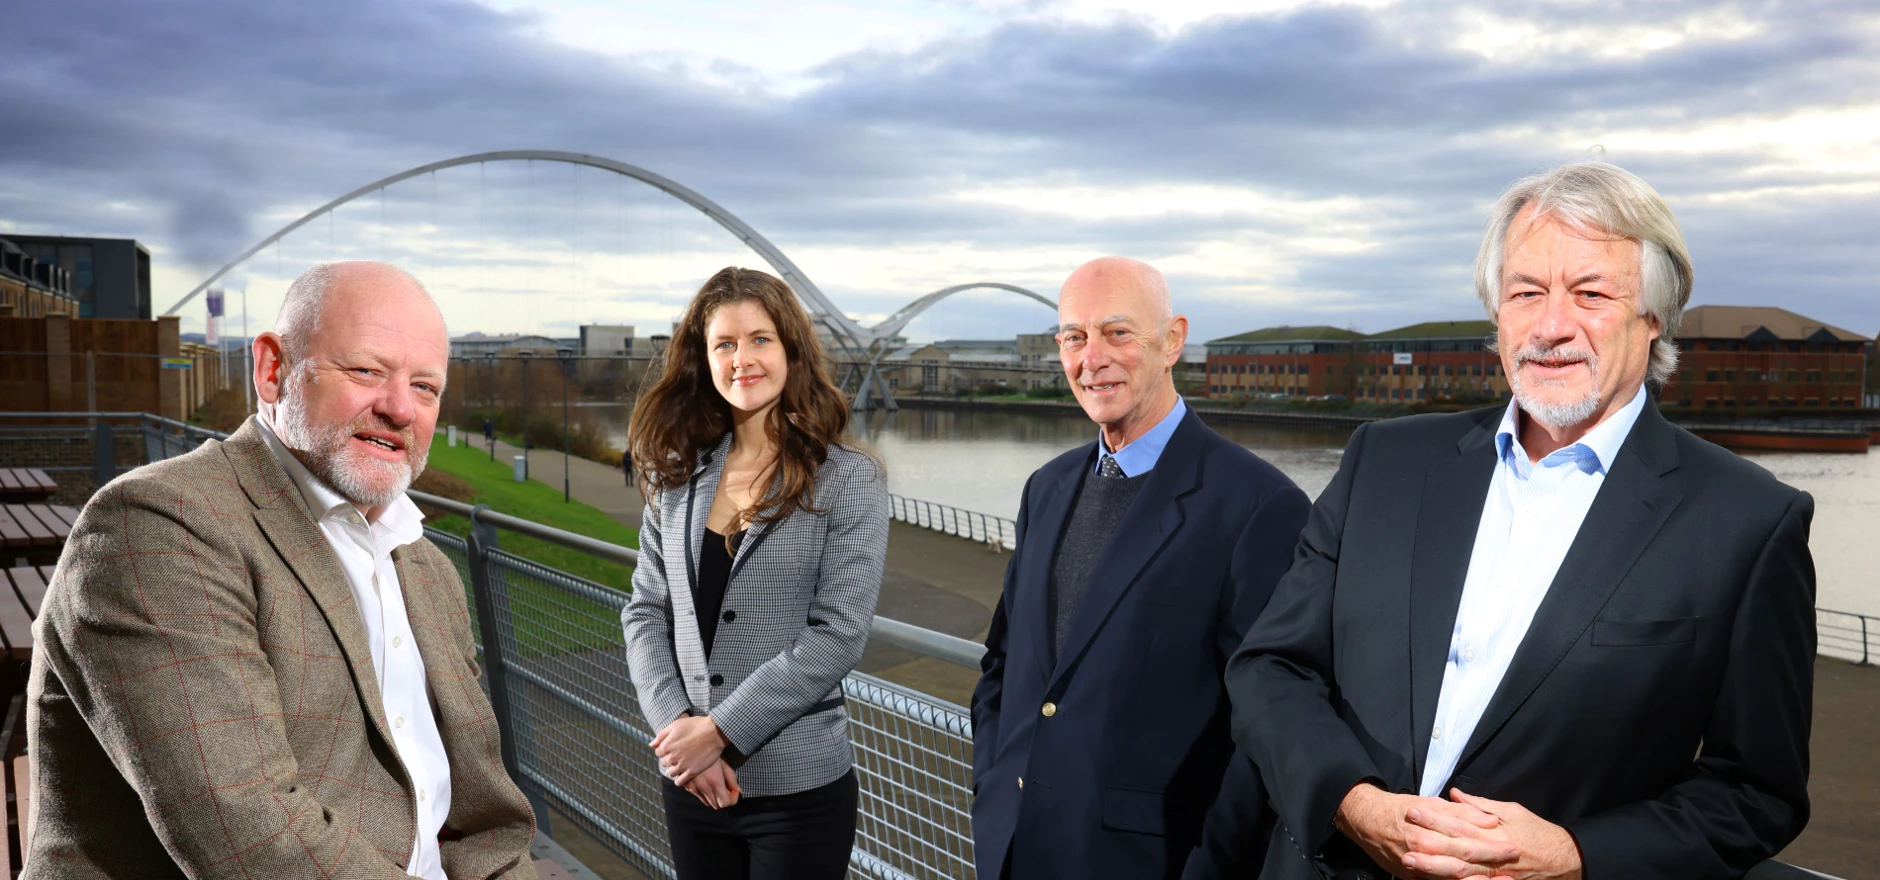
[(1211, 413)]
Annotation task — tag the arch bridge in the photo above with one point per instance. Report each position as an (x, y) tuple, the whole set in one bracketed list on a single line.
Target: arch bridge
[(871, 343)]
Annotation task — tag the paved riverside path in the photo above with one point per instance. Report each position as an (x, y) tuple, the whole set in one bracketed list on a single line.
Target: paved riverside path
[(933, 580)]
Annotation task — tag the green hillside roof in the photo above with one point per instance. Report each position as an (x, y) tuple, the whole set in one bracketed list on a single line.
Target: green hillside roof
[(1289, 334), (1439, 330)]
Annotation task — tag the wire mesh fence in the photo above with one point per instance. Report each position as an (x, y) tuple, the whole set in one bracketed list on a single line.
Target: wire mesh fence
[(559, 679)]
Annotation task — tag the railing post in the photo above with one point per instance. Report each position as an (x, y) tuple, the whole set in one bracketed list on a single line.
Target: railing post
[(1863, 640), (103, 454), (481, 541)]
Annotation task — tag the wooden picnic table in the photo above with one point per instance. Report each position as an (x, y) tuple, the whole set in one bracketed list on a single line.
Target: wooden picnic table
[(26, 484), (22, 594), (35, 532)]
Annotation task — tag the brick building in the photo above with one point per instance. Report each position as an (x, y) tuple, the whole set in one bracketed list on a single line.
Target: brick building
[(32, 288), (1286, 361), (1752, 358), (1435, 360), (109, 277)]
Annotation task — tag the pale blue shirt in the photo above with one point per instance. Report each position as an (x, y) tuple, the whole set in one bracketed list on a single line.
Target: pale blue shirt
[(1138, 457), (1530, 518)]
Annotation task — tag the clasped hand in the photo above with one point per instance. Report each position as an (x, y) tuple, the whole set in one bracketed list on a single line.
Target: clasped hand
[(1467, 838), (690, 752)]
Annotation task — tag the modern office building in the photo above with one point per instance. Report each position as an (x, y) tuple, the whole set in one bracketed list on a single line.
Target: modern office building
[(109, 277), (1436, 360), (476, 344), (1739, 358), (30, 288), (603, 340), (1287, 361)]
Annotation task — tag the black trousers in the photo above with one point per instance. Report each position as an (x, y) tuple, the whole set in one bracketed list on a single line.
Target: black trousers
[(802, 836)]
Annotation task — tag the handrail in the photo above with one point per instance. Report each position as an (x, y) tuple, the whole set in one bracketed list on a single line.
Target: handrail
[(950, 520), (920, 640), (899, 633)]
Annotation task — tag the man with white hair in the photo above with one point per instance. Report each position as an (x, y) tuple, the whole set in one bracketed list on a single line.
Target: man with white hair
[(250, 662), (1557, 639)]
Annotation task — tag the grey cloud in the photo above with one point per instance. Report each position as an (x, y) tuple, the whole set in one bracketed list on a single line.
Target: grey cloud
[(212, 114)]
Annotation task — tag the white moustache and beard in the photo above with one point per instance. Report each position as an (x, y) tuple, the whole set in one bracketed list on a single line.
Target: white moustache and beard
[(357, 476), (1555, 415)]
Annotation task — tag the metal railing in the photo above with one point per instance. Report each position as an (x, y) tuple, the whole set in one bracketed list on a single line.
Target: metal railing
[(574, 739), (972, 525), (91, 440), (1848, 635)]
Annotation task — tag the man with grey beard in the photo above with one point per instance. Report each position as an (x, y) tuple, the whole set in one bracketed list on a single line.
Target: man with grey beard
[(250, 661), (1557, 639)]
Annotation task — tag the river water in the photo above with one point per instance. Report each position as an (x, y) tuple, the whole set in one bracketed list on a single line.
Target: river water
[(979, 460)]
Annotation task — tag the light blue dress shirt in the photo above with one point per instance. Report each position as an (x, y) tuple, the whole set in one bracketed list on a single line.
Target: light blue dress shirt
[(1138, 457), (1530, 518)]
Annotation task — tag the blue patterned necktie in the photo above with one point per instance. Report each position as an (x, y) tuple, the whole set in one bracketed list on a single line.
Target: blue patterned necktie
[(1108, 467)]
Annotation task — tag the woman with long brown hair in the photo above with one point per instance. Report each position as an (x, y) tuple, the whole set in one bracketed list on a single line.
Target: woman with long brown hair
[(761, 555)]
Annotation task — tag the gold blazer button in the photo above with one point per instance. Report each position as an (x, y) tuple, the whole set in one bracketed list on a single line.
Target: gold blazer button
[(1050, 709)]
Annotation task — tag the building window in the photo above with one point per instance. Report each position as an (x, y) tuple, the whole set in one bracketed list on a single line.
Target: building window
[(1710, 375)]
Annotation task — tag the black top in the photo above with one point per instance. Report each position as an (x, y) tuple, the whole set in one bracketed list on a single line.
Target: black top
[(708, 595)]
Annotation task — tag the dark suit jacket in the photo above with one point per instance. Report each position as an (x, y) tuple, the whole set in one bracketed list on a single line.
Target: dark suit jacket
[(1658, 707), (1134, 768)]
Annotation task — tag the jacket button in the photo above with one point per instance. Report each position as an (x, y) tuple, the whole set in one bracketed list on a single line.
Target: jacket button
[(730, 616), (717, 680), (1050, 709), (1021, 782)]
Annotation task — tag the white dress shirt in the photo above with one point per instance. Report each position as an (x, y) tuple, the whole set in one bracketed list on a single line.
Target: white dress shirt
[(365, 552), (1530, 518)]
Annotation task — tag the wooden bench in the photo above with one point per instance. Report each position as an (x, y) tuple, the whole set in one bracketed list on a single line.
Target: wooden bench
[(34, 532), (25, 484)]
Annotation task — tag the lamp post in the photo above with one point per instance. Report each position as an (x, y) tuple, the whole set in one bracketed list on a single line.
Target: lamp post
[(566, 357), (489, 415), (528, 357)]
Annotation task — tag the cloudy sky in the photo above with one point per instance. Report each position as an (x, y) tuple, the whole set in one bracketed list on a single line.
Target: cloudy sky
[(1283, 162)]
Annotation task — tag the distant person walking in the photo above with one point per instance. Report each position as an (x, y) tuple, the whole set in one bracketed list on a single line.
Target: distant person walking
[(761, 555)]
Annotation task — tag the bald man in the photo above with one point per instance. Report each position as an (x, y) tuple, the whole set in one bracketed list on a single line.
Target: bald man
[(1100, 724), (251, 663)]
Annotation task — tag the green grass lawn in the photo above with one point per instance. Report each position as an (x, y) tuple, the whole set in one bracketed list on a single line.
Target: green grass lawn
[(493, 484)]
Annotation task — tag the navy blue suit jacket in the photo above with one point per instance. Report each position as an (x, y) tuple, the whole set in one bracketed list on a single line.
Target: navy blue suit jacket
[(1133, 773)]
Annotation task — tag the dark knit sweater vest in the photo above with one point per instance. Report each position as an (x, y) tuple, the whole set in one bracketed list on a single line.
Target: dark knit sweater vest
[(1093, 521)]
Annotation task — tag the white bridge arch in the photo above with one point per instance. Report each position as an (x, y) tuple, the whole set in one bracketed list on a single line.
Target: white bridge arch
[(873, 391), (870, 342)]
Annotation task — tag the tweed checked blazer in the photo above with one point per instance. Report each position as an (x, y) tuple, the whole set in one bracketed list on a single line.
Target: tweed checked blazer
[(796, 614), (203, 704)]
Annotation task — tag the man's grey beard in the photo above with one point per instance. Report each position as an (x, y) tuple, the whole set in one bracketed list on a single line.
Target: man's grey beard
[(324, 450), (1555, 415)]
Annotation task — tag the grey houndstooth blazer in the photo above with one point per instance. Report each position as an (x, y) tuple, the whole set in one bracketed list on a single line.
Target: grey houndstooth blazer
[(796, 614)]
